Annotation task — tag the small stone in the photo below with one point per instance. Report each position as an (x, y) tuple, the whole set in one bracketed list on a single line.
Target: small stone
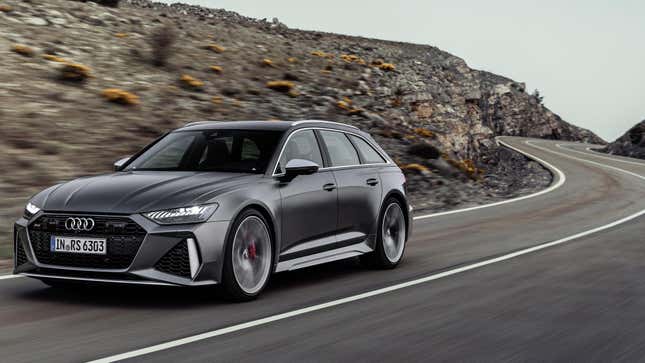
[(35, 21), (107, 17), (58, 21), (363, 87)]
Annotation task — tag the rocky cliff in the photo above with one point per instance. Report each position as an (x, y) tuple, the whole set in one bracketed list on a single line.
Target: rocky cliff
[(631, 144), (84, 84)]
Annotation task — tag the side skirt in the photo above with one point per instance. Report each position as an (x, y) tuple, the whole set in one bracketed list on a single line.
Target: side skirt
[(324, 257)]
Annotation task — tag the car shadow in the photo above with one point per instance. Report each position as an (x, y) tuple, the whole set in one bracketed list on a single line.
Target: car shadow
[(171, 297)]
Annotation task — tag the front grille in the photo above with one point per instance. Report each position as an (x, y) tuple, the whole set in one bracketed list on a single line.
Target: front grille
[(124, 237), (176, 261), (19, 250)]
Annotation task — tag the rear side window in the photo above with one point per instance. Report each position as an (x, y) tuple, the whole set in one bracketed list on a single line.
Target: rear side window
[(368, 154), (341, 151)]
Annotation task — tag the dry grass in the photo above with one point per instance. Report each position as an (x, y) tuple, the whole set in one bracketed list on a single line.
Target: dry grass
[(467, 166), (54, 58), (415, 167), (423, 132), (120, 96), (387, 67), (216, 48), (281, 86), (352, 58), (191, 82), (23, 50), (321, 54), (347, 105), (75, 72)]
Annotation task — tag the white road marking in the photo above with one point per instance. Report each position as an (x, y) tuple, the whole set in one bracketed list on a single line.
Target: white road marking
[(617, 157), (385, 290), (587, 161), (7, 277), (557, 172), (593, 154)]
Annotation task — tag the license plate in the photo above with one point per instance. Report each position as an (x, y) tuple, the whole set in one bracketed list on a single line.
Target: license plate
[(86, 245)]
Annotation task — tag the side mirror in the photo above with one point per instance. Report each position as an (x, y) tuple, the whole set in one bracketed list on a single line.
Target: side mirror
[(118, 165), (297, 167)]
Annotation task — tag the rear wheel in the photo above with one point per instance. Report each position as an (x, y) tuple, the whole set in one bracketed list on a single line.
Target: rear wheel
[(249, 257), (391, 237)]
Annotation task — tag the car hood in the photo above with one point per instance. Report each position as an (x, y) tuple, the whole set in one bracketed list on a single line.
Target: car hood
[(139, 191)]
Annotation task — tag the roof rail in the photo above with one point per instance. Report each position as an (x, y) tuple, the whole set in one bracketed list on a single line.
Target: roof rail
[(199, 123), (321, 121)]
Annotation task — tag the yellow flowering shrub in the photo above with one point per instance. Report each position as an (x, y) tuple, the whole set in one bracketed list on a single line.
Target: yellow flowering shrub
[(120, 96)]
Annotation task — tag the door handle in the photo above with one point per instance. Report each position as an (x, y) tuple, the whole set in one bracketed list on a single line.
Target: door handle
[(329, 187), (372, 181)]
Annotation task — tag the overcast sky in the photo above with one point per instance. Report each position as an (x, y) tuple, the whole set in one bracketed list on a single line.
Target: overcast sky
[(587, 57)]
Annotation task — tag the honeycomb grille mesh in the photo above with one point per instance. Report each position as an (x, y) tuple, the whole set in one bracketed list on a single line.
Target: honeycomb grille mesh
[(176, 261), (21, 256)]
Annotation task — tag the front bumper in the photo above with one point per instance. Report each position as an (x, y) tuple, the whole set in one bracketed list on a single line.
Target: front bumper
[(184, 255)]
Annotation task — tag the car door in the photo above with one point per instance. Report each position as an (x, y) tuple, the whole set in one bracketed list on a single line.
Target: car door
[(359, 189), (309, 202)]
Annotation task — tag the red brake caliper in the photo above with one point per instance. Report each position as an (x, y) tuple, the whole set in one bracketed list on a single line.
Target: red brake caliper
[(251, 251)]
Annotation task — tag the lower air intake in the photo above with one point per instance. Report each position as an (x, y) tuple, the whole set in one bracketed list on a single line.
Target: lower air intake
[(176, 261), (21, 256)]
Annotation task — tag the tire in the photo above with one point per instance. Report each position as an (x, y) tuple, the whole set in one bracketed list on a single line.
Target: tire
[(248, 260), (390, 238)]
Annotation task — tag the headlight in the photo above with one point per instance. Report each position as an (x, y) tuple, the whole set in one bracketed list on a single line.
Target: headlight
[(30, 210), (185, 215)]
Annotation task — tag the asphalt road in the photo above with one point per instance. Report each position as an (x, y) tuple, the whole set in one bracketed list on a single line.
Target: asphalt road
[(479, 285)]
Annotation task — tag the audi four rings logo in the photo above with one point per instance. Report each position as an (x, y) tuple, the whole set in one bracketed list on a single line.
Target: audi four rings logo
[(79, 224)]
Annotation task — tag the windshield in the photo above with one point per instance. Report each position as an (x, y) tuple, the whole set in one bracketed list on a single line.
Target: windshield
[(240, 151)]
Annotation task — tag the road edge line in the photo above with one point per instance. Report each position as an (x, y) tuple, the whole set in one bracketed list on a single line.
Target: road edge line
[(561, 179), (9, 276)]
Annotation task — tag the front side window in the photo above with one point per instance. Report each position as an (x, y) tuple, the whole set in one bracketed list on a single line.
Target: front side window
[(368, 154), (241, 151), (301, 145)]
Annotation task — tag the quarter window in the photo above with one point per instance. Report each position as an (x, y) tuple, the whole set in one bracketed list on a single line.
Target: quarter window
[(341, 151), (301, 145), (368, 154)]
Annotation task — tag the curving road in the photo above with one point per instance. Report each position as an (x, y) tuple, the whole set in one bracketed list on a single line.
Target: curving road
[(555, 276)]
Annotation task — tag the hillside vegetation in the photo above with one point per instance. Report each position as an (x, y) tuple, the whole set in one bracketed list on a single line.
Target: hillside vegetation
[(83, 85), (631, 144)]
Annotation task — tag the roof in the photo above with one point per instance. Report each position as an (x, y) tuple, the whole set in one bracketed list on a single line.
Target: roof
[(239, 125), (264, 125)]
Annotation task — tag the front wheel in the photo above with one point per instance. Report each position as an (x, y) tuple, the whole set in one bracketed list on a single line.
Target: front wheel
[(249, 257), (391, 237)]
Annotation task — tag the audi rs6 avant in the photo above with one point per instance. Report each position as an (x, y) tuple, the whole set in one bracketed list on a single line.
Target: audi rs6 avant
[(225, 203)]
